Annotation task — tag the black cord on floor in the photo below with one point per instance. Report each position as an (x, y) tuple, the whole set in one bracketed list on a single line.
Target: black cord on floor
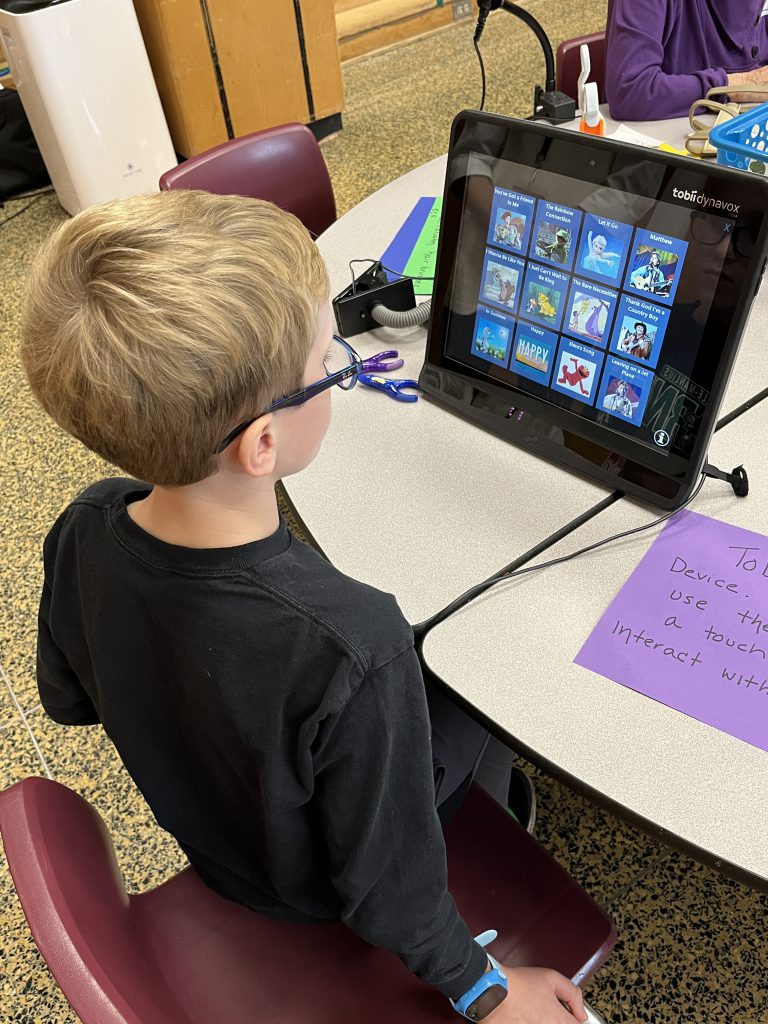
[(27, 195), (613, 901), (24, 209)]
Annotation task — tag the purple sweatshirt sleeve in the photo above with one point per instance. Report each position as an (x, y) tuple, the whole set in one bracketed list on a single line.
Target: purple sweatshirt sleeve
[(636, 87)]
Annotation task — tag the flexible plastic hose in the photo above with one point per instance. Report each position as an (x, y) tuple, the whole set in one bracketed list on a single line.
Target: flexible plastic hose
[(401, 317)]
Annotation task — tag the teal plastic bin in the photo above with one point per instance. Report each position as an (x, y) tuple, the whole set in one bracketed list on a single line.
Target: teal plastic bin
[(742, 142)]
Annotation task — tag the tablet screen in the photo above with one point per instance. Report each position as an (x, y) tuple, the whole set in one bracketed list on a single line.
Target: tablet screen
[(602, 289)]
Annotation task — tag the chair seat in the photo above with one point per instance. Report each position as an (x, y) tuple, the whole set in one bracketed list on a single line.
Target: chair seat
[(182, 954)]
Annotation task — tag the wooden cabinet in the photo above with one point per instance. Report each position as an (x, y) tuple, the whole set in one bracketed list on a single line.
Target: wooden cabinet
[(225, 68), (364, 26)]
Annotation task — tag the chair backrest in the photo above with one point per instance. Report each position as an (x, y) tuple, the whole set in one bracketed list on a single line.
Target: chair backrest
[(65, 872), (181, 954), (282, 164), (568, 64)]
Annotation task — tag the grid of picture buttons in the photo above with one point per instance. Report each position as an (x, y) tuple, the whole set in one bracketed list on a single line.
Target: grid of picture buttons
[(569, 303)]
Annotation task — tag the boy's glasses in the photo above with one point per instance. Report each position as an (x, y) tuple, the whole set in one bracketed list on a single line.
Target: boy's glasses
[(342, 366)]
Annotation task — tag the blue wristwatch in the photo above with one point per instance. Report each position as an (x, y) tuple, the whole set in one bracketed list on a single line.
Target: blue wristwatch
[(486, 994)]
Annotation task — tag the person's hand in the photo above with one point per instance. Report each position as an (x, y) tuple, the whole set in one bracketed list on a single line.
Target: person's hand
[(536, 996), (740, 82)]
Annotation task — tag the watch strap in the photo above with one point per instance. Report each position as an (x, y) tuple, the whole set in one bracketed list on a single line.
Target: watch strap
[(492, 978)]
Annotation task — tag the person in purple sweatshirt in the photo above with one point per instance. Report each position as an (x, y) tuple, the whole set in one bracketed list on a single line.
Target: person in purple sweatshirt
[(665, 55)]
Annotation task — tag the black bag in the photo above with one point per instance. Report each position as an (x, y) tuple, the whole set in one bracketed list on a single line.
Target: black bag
[(21, 166)]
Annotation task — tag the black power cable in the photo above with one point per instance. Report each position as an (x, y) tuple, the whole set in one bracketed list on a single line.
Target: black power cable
[(482, 71), (389, 270), (509, 572), (548, 102), (24, 209), (26, 195), (486, 6)]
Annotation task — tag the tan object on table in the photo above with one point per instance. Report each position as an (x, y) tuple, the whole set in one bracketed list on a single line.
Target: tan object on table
[(716, 102), (225, 68)]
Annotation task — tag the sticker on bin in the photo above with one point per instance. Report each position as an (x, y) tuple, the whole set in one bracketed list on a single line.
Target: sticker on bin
[(742, 142)]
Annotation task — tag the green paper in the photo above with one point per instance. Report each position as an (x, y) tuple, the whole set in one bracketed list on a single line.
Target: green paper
[(421, 262)]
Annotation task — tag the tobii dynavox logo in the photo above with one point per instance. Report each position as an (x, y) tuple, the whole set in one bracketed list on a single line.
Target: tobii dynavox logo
[(706, 201)]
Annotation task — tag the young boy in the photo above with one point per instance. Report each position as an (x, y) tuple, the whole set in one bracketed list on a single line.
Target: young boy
[(271, 710)]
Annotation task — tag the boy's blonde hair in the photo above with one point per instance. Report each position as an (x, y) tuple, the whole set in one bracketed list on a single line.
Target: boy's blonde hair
[(153, 325)]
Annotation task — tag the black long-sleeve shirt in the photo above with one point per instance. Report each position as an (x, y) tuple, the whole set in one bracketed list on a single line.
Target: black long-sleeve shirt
[(272, 712)]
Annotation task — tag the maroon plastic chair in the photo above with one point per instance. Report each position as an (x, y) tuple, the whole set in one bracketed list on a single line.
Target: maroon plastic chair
[(181, 954), (568, 64), (282, 164)]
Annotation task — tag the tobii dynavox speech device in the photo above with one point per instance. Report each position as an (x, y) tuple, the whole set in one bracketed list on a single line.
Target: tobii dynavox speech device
[(590, 297)]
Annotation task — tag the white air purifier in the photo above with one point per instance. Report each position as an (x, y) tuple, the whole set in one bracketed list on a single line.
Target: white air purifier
[(87, 88)]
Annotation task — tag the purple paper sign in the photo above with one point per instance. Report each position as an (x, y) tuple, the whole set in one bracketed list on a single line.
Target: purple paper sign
[(690, 626)]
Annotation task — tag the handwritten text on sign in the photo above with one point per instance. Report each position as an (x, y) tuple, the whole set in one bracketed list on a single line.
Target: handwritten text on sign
[(690, 626)]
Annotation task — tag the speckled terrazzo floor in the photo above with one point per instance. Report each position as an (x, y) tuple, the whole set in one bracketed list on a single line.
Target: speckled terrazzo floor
[(691, 945)]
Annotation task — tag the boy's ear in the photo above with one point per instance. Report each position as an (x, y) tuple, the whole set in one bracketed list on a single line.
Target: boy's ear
[(257, 451)]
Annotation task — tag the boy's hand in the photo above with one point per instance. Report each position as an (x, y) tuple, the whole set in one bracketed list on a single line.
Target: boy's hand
[(536, 996)]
